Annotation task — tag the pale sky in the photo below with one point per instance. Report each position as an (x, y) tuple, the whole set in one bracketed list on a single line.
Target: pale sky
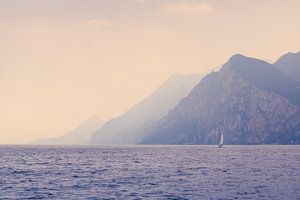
[(63, 61)]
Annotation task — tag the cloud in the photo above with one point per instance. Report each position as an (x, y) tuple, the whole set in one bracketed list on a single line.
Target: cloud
[(189, 8), (93, 24)]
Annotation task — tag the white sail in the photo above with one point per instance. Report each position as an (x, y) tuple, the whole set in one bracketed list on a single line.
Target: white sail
[(221, 140)]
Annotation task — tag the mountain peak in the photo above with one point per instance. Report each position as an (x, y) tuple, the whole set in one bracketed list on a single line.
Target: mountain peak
[(250, 100), (241, 63), (80, 135), (287, 57), (289, 63), (293, 53), (240, 60), (238, 56), (264, 75)]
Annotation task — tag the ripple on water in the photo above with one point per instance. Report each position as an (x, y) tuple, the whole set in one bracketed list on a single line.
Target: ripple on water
[(155, 172)]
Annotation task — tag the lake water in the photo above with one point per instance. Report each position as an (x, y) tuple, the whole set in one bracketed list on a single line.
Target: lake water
[(150, 172)]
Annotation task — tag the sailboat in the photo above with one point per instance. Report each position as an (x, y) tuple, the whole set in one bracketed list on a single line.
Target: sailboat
[(221, 141)]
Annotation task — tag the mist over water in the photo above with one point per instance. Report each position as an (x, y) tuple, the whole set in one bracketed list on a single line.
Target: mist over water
[(150, 172)]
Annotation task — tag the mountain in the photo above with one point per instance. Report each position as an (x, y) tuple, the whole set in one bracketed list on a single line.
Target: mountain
[(290, 64), (79, 136), (129, 127), (250, 100)]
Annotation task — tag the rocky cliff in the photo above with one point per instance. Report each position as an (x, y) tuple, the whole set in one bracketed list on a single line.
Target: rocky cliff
[(251, 101)]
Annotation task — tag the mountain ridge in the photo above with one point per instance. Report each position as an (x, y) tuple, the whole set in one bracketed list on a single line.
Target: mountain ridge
[(289, 63), (78, 136), (248, 108), (129, 127)]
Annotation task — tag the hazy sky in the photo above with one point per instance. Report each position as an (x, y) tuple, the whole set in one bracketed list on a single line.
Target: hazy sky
[(65, 60)]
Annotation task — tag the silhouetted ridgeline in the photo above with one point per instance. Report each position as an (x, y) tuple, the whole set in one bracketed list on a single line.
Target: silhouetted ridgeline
[(130, 127), (250, 100), (78, 136), (290, 64)]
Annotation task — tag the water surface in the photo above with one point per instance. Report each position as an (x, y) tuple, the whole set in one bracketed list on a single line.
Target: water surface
[(150, 172)]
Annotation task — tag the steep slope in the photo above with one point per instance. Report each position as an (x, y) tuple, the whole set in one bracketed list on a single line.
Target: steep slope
[(79, 136), (265, 76), (129, 127), (290, 64), (250, 100)]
